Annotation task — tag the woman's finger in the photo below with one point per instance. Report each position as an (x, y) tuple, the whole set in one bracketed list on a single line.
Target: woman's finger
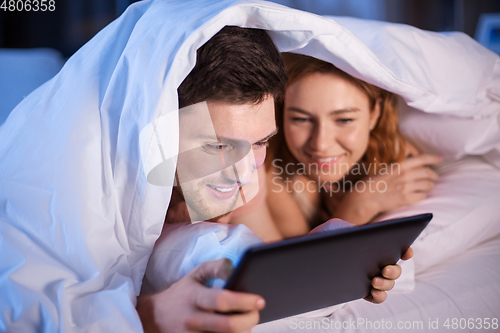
[(382, 284), (419, 161), (376, 296), (408, 254), (409, 196), (420, 186), (420, 173), (392, 272)]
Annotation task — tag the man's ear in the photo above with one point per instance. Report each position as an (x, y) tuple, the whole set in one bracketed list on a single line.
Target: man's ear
[(375, 113)]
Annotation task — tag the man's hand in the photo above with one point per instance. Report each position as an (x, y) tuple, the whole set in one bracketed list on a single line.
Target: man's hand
[(189, 306), (386, 282)]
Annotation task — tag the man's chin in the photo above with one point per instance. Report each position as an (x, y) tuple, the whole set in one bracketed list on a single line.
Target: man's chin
[(224, 218), (203, 207)]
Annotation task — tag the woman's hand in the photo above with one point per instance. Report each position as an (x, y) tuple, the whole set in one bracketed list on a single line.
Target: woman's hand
[(410, 184), (405, 184), (386, 282)]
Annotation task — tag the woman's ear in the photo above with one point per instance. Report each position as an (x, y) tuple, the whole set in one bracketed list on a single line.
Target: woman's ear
[(375, 113)]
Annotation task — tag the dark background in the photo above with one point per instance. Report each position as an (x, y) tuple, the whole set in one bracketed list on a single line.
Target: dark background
[(74, 22)]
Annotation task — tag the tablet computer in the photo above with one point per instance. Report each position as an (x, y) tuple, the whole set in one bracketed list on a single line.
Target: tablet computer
[(311, 272)]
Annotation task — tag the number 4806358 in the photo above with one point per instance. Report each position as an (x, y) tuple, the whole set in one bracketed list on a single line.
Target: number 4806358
[(28, 5)]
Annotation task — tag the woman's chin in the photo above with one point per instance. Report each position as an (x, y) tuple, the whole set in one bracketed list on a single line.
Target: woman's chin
[(327, 182)]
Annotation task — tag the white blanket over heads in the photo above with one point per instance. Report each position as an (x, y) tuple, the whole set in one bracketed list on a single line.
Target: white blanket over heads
[(78, 219)]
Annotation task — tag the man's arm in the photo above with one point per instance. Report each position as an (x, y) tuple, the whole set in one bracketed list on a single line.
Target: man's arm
[(188, 305)]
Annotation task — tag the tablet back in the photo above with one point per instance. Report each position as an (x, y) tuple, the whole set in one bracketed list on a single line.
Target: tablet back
[(315, 271)]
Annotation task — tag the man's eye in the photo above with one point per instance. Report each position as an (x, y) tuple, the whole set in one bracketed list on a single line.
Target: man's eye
[(218, 147)]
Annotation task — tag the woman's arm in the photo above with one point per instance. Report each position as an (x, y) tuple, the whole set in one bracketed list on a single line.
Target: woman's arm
[(405, 184), (284, 210), (260, 222), (256, 215)]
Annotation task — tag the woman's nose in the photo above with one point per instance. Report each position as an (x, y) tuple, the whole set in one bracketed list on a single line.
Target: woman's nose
[(322, 137)]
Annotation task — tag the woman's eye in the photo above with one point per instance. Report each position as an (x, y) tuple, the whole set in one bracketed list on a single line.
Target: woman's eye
[(345, 120), (300, 119)]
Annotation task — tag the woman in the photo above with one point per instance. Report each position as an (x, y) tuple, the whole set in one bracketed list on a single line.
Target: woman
[(339, 152)]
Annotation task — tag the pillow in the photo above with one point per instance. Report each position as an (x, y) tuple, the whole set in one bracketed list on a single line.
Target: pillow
[(465, 207), (451, 137), (22, 72), (460, 77)]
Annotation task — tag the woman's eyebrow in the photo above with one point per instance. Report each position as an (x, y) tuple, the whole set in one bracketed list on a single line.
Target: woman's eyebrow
[(299, 110), (339, 111)]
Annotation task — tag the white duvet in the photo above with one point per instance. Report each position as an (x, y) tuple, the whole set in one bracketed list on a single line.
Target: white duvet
[(78, 219)]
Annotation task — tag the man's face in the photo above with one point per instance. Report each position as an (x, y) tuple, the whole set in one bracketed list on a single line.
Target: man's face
[(221, 146)]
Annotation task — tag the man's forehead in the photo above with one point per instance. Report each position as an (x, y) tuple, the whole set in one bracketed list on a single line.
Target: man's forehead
[(251, 121)]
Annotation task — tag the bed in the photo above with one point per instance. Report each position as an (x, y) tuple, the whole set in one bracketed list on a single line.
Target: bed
[(451, 106)]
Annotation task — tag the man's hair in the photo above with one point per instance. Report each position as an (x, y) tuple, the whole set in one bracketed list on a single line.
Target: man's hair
[(237, 65)]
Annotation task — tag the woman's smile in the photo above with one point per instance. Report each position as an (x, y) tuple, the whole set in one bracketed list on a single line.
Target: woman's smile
[(324, 161)]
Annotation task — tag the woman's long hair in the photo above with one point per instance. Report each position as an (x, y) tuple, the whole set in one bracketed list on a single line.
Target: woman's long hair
[(386, 143)]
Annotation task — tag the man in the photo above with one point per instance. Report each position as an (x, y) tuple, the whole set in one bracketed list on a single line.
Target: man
[(240, 76)]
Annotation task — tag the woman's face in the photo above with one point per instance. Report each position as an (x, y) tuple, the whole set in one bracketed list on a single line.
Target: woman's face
[(327, 124)]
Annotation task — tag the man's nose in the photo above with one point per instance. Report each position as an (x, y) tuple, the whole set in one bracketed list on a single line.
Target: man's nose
[(322, 137), (242, 171)]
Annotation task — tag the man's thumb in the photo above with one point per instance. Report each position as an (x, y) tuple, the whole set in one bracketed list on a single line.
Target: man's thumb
[(221, 268)]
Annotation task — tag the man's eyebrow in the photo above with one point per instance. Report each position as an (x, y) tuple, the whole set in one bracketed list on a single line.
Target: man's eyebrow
[(273, 133), (339, 111), (229, 140)]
